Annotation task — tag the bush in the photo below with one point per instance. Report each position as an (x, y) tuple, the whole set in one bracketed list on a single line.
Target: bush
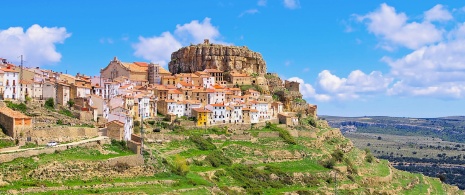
[(70, 103), (217, 158), (136, 123), (151, 122), (202, 144), (329, 163), (338, 155), (66, 112), (49, 103), (120, 167), (180, 166), (120, 144), (18, 107)]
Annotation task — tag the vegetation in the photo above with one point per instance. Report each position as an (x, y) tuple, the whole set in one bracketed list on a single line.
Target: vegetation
[(70, 103), (201, 143), (66, 112), (4, 143), (21, 107), (217, 158), (49, 103)]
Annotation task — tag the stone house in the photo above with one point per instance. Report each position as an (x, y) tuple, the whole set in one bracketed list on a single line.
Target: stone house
[(156, 72), (1, 84), (217, 74), (63, 94), (49, 90), (288, 118), (239, 79), (15, 123), (115, 130)]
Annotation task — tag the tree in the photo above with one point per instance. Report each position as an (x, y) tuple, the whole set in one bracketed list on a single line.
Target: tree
[(180, 165), (379, 138)]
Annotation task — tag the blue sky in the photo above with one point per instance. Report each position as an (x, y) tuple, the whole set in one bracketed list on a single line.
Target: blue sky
[(353, 58)]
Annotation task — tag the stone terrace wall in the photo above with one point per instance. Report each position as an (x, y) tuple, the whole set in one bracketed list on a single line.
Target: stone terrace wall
[(7, 157), (132, 160), (61, 134)]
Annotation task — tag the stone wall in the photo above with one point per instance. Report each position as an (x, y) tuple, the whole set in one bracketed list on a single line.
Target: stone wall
[(134, 146), (272, 134), (61, 134), (132, 160), (7, 157)]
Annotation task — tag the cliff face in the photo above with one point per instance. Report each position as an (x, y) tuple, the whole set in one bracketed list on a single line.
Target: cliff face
[(225, 58)]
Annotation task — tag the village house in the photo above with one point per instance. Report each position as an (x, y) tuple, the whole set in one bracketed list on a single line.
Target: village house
[(288, 118), (63, 94), (202, 116), (16, 124), (11, 83), (217, 74), (239, 79), (155, 73)]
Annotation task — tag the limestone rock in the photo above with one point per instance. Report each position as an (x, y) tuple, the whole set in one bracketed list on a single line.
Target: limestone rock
[(214, 56)]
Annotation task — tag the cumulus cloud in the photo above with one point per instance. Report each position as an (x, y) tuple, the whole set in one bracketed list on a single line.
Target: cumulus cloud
[(330, 87), (36, 44), (394, 29), (250, 12), (437, 13), (432, 68), (196, 32), (291, 4), (308, 91), (158, 49)]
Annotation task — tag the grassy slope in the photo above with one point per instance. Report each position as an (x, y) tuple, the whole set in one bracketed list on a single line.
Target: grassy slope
[(302, 171)]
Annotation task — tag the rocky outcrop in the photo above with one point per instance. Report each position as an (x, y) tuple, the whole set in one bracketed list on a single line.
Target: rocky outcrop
[(213, 56)]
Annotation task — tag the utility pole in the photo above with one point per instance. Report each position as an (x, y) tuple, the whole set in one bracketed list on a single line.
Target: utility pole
[(21, 80), (141, 130)]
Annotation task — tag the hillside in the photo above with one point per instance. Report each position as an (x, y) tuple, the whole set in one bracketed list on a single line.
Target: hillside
[(262, 160)]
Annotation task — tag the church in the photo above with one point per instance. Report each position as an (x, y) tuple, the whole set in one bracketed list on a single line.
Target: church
[(135, 71)]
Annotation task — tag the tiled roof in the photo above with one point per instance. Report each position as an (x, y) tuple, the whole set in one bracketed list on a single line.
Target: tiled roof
[(201, 110), (117, 122), (12, 113)]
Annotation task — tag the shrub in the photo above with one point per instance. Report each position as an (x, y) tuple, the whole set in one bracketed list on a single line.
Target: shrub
[(136, 123), (180, 166), (66, 112), (151, 122), (202, 144), (70, 103), (18, 107), (49, 103), (286, 136), (120, 167), (338, 155), (217, 158), (329, 163)]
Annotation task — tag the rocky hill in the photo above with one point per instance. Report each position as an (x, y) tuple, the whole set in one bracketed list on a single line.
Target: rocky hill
[(214, 56)]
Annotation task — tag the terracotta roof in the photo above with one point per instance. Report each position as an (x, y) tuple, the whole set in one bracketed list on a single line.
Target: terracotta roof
[(219, 105), (185, 83), (253, 110), (161, 70), (143, 64), (134, 68), (117, 122), (12, 113), (175, 91), (212, 70), (9, 70), (169, 77), (201, 110)]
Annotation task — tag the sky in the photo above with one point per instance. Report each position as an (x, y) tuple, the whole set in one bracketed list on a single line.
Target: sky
[(352, 58)]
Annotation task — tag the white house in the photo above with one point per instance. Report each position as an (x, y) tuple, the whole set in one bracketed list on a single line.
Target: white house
[(253, 116), (11, 84), (189, 105), (218, 113), (144, 105), (126, 119)]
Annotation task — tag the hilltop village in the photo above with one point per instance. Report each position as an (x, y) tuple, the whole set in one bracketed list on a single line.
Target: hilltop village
[(208, 84)]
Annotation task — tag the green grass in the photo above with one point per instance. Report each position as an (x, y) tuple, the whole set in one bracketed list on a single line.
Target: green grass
[(305, 165), (7, 143), (29, 145)]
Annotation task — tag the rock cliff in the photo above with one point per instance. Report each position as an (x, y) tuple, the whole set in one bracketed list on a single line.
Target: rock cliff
[(222, 57)]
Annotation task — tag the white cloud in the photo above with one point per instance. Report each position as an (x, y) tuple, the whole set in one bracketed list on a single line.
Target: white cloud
[(36, 44), (261, 3), (250, 12), (394, 30), (157, 49), (291, 4), (308, 91), (437, 13), (330, 87), (196, 32)]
